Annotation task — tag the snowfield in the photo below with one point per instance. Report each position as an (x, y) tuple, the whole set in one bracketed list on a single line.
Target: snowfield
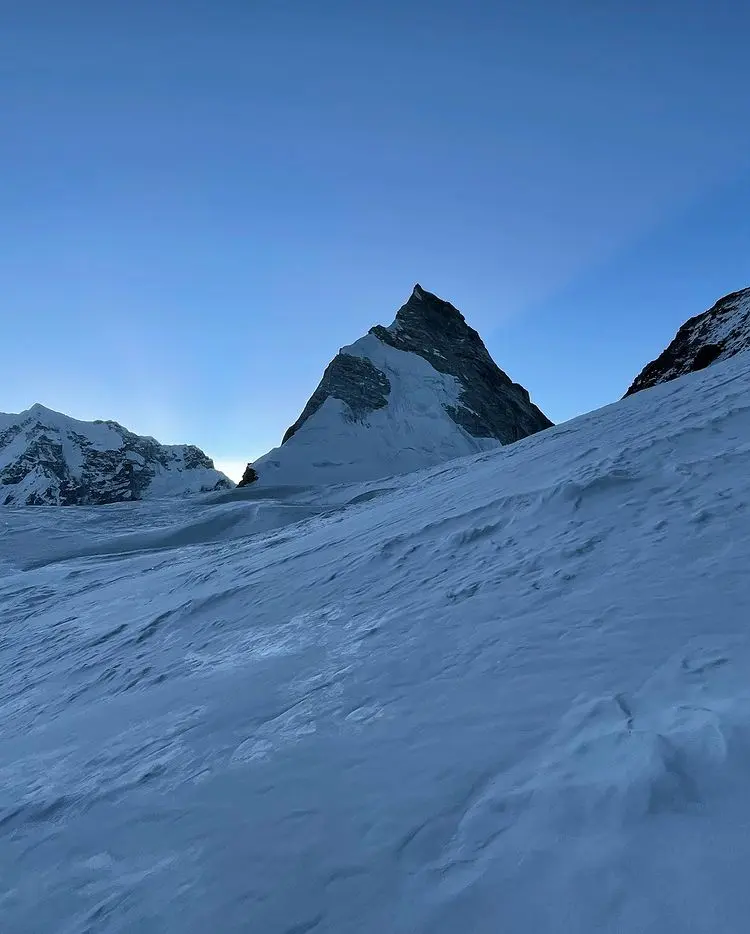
[(510, 693)]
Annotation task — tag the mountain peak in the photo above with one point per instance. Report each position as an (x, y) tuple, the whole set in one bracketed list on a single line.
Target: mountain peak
[(436, 330), (38, 409), (416, 393), (428, 304)]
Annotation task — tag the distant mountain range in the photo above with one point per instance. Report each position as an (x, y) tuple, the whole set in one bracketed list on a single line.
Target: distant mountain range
[(50, 459), (411, 395)]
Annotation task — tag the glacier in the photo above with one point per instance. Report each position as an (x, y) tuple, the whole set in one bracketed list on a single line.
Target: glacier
[(509, 692)]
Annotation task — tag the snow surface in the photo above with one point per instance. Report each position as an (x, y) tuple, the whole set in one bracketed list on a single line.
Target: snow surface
[(410, 433), (509, 693)]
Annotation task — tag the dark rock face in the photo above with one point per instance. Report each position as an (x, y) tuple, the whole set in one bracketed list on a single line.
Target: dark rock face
[(57, 460), (706, 355), (717, 334), (248, 477), (491, 405), (353, 380)]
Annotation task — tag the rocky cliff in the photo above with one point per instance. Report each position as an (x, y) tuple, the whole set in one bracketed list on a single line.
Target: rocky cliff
[(716, 334)]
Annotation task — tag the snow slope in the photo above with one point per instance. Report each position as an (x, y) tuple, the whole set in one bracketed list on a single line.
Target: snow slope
[(47, 458), (509, 693)]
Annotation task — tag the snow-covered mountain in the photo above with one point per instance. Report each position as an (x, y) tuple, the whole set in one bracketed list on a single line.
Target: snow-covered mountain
[(716, 334), (509, 693), (404, 397), (47, 458)]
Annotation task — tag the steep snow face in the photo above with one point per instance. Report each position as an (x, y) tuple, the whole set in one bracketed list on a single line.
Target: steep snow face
[(717, 334), (409, 396), (47, 458), (507, 693), (409, 429)]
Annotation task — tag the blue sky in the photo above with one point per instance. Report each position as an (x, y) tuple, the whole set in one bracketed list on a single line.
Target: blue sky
[(202, 201)]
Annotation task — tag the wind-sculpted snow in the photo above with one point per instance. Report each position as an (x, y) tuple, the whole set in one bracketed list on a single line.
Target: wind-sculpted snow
[(509, 693)]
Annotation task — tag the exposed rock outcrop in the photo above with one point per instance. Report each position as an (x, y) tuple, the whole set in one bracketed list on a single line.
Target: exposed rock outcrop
[(716, 334)]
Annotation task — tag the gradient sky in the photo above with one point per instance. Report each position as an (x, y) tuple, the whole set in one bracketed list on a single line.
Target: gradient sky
[(202, 200)]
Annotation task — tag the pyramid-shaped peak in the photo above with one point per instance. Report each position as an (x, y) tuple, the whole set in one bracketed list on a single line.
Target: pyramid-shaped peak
[(429, 324), (41, 413), (428, 303), (401, 398), (38, 409)]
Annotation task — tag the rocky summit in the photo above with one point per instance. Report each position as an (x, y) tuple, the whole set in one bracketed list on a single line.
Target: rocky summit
[(716, 334), (50, 459), (403, 397), (490, 404)]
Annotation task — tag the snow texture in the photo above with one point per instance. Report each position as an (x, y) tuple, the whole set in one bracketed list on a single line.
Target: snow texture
[(509, 693), (47, 458)]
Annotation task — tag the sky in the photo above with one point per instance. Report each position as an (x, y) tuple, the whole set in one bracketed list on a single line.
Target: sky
[(202, 200)]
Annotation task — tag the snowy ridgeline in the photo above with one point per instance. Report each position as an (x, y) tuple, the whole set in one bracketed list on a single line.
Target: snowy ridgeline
[(51, 459), (509, 693)]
